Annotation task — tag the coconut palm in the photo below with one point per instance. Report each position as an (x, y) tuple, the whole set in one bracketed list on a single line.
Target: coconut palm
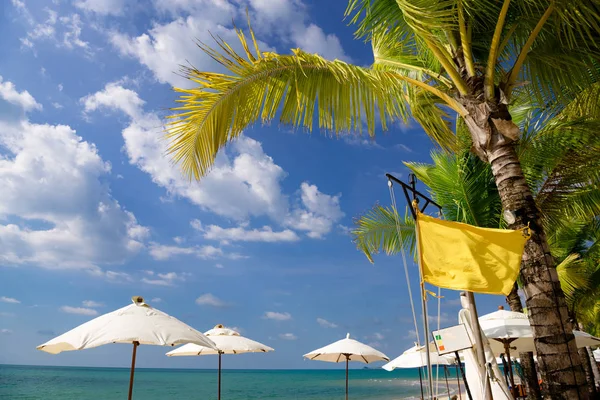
[(434, 60), (463, 185)]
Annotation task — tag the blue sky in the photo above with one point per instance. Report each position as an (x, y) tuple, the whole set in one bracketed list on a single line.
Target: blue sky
[(92, 212)]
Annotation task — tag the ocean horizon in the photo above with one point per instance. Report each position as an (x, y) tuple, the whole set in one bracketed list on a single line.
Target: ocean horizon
[(74, 383)]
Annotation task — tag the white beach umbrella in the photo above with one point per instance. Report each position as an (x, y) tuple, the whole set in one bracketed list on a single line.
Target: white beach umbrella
[(511, 331), (513, 327), (347, 350), (137, 324), (227, 341), (415, 357)]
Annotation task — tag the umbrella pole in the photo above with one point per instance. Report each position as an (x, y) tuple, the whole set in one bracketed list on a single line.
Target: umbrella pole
[(462, 372), (421, 383), (446, 376), (347, 359), (510, 371), (219, 375), (458, 381), (135, 345)]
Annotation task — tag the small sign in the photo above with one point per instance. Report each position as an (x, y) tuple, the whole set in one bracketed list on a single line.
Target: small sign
[(454, 338)]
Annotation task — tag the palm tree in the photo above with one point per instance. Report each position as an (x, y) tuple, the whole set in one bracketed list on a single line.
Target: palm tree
[(432, 58), (464, 187)]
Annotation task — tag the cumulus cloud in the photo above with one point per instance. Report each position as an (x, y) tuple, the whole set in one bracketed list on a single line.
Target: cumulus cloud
[(92, 304), (63, 213), (318, 214), (211, 300), (326, 324), (285, 316), (166, 252), (168, 44), (12, 300), (23, 99), (166, 279), (239, 234), (102, 7), (288, 336), (245, 182), (79, 310)]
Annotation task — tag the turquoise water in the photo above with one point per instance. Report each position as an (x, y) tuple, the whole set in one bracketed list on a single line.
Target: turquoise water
[(75, 383)]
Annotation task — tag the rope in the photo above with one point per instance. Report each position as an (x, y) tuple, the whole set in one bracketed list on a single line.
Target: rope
[(398, 231), (439, 317)]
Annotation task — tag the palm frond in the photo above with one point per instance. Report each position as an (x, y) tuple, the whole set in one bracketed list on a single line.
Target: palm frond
[(377, 231), (573, 276)]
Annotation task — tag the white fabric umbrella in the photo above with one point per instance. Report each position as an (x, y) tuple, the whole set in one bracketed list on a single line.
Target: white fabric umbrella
[(347, 350), (415, 357), (505, 325), (137, 323), (227, 341)]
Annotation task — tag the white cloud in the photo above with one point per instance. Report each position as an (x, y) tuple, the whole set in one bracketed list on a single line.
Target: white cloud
[(326, 324), (79, 310), (244, 182), (5, 331), (312, 39), (285, 316), (210, 300), (23, 99), (115, 97), (265, 234), (12, 300), (56, 105), (91, 304), (219, 265), (166, 46), (378, 336), (166, 252), (156, 300), (63, 31), (167, 279), (63, 213), (319, 213), (60, 87), (102, 7), (288, 336), (246, 185)]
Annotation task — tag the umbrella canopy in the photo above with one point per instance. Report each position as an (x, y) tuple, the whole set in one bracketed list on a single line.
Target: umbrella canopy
[(227, 341), (347, 349), (137, 324), (415, 357), (514, 327)]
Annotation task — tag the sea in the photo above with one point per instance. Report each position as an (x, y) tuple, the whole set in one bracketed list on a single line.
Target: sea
[(77, 383)]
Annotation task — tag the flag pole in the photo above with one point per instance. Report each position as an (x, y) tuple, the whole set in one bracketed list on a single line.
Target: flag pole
[(424, 307), (415, 208)]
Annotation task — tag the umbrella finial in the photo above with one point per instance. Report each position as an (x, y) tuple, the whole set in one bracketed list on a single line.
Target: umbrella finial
[(347, 335), (219, 326), (138, 300), (500, 307)]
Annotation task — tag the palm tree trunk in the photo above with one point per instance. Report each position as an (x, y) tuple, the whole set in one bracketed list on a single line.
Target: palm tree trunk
[(494, 135), (594, 365), (589, 375), (527, 362)]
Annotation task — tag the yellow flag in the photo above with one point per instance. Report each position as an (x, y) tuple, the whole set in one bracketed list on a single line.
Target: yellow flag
[(465, 257)]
